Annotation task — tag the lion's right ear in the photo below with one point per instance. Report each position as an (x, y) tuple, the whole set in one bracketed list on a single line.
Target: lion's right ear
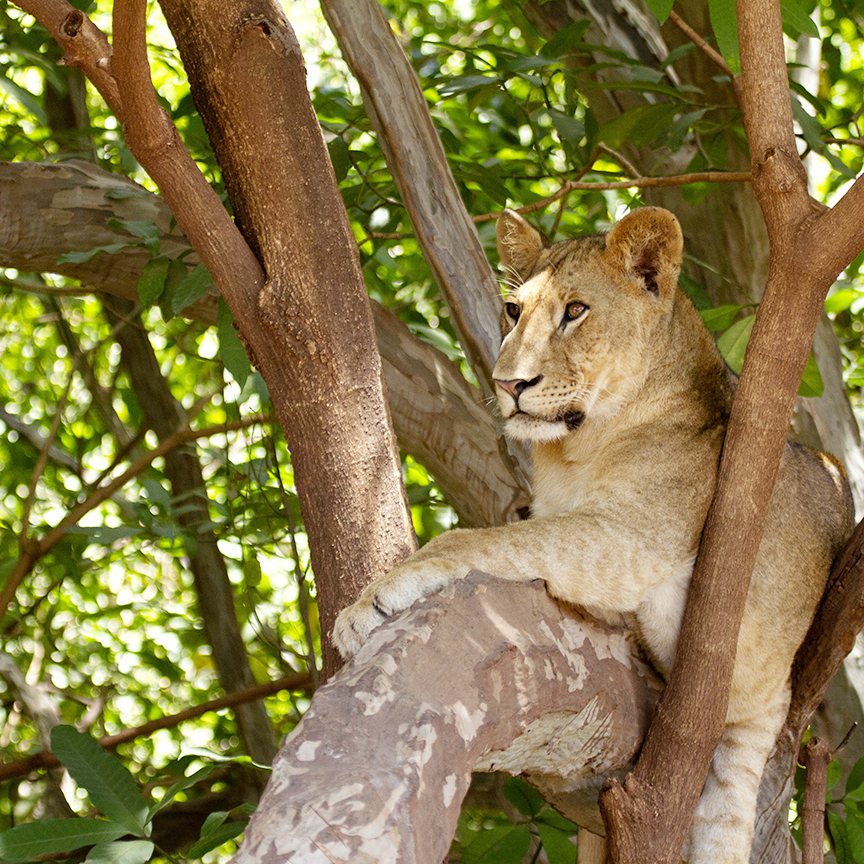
[(519, 244)]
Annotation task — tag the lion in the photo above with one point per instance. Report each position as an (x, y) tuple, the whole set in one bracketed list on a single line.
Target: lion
[(607, 370)]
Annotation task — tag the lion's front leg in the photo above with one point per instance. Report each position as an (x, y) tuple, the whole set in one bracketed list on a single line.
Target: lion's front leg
[(415, 578)]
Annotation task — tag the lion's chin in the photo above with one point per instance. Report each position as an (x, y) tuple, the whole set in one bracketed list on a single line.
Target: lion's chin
[(523, 427)]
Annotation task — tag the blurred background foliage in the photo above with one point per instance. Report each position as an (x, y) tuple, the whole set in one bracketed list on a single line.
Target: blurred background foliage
[(107, 622)]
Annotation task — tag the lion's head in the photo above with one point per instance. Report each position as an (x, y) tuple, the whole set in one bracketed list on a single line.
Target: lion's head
[(581, 319)]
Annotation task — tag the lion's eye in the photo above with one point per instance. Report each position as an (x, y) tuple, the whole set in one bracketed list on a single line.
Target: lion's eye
[(512, 310), (574, 310)]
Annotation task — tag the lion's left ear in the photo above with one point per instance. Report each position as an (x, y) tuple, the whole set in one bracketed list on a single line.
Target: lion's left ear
[(647, 246)]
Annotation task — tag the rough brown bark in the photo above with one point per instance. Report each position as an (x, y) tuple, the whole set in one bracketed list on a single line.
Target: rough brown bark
[(48, 210), (377, 769), (815, 756)]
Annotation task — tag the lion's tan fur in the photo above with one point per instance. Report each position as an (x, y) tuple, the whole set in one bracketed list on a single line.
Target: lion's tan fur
[(607, 370)]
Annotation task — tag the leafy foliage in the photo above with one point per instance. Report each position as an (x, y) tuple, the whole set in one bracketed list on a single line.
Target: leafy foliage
[(108, 621)]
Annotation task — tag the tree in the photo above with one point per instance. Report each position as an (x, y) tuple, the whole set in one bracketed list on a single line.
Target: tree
[(282, 194)]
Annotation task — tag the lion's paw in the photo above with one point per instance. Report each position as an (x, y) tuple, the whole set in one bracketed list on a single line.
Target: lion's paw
[(387, 596)]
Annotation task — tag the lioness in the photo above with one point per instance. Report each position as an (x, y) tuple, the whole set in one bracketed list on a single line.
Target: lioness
[(607, 369)]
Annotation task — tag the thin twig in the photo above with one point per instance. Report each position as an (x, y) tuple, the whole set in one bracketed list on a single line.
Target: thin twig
[(46, 759), (635, 183), (700, 43)]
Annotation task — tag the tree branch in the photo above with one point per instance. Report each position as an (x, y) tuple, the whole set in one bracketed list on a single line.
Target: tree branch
[(377, 769), (46, 759)]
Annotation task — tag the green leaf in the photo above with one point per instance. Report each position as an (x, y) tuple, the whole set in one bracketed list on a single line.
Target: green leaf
[(842, 849), (556, 820), (855, 832), (839, 301), (81, 257), (733, 343), (462, 83), (812, 385), (565, 39), (216, 837), (560, 849), (720, 317), (121, 852), (504, 844), (193, 287), (855, 781), (568, 128), (525, 799), (24, 98), (108, 783), (697, 294), (812, 132), (231, 351), (639, 125), (339, 156), (796, 17), (180, 786), (660, 9), (151, 282), (55, 836), (724, 22), (104, 535), (144, 229)]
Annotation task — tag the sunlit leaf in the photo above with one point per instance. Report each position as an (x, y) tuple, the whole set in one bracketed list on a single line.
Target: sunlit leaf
[(797, 20), (733, 343), (231, 351), (724, 22), (720, 317)]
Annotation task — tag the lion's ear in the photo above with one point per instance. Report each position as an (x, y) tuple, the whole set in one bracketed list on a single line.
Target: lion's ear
[(647, 246), (519, 244)]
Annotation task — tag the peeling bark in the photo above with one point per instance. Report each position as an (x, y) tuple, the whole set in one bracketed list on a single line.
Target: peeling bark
[(378, 767)]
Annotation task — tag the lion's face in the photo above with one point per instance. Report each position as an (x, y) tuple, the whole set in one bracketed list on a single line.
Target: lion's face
[(579, 328)]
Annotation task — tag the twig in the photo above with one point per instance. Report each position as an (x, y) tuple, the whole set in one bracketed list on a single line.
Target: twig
[(624, 163), (46, 759), (815, 757), (700, 43), (635, 183)]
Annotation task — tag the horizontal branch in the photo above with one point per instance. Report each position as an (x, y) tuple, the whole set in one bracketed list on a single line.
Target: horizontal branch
[(46, 759), (634, 183)]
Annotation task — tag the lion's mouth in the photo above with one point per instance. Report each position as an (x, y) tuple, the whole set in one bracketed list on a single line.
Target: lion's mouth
[(571, 419)]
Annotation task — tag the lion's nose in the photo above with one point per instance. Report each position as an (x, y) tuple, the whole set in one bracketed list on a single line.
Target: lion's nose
[(517, 386)]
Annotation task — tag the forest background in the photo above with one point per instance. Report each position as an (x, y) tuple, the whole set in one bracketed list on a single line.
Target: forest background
[(116, 622)]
